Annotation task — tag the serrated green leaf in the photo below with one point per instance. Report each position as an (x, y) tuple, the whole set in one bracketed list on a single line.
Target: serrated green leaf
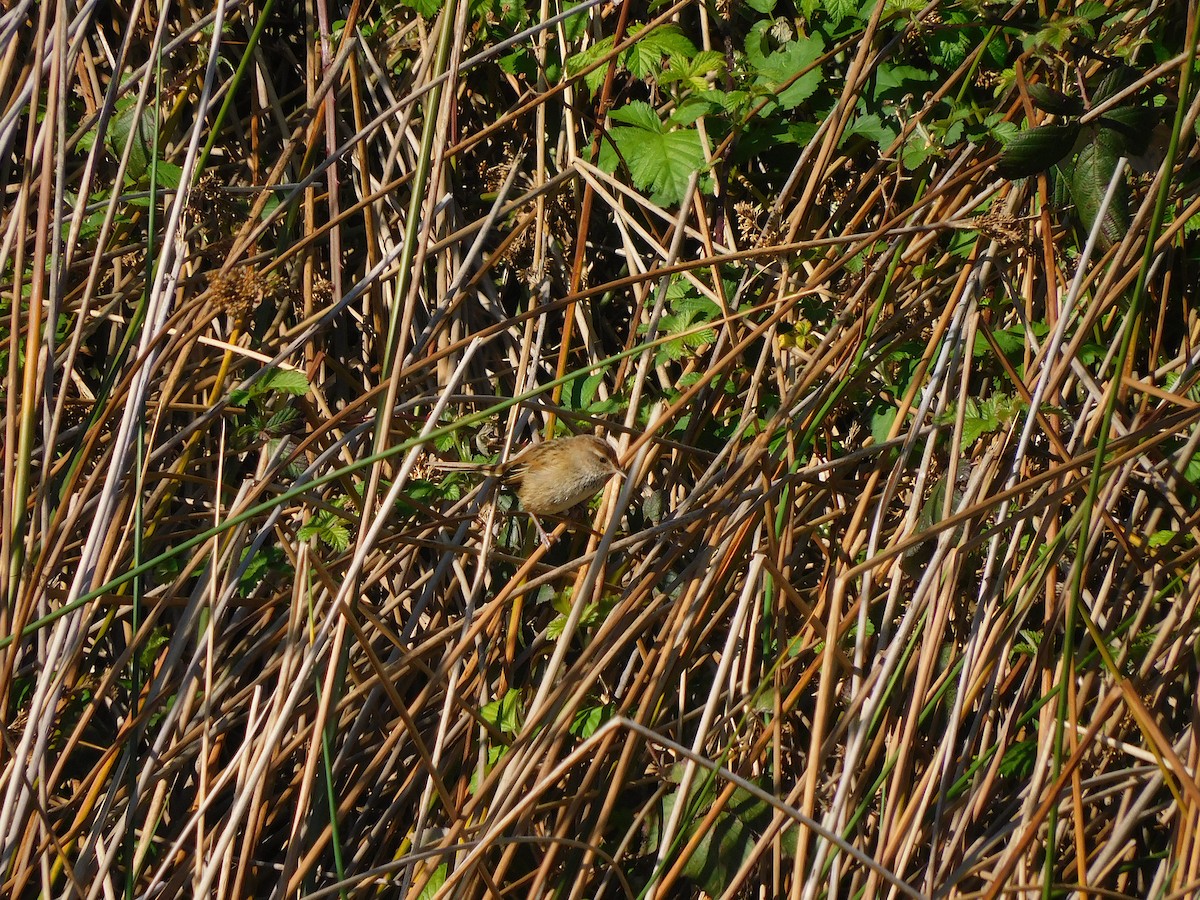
[(281, 418), (574, 26), (695, 71), (121, 130), (328, 528), (588, 57), (732, 102), (1134, 125), (1090, 175), (1037, 149), (893, 82), (169, 174), (778, 68), (837, 10), (1018, 759), (644, 58), (286, 381), (659, 161), (726, 844), (1010, 340), (692, 309), (870, 127), (729, 837), (519, 62), (267, 560), (948, 47), (1004, 132), (1052, 101), (692, 108), (1114, 81), (1055, 33), (640, 114)]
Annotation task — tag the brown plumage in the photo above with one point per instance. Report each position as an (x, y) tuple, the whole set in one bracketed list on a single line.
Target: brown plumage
[(556, 475)]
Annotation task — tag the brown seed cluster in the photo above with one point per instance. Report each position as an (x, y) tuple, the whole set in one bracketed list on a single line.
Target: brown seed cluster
[(1002, 227), (237, 293)]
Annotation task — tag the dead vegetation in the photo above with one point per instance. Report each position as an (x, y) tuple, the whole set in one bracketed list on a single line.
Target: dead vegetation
[(897, 599)]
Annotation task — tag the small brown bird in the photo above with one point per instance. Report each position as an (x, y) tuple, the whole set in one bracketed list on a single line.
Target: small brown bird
[(555, 475), (558, 474)]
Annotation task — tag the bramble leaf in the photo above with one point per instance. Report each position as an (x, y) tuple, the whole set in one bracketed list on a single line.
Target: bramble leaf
[(1093, 169), (778, 68), (1037, 149), (644, 58), (659, 160), (287, 381)]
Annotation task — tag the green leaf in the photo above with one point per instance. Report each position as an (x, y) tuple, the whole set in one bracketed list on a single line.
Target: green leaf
[(687, 310), (426, 9), (1114, 81), (1003, 132), (975, 424), (726, 844), (694, 72), (1052, 101), (837, 10), (588, 57), (1091, 10), (1093, 169), (1037, 149), (870, 127), (120, 129), (1134, 125), (519, 62), (777, 68), (505, 713), (986, 417), (692, 108), (729, 838), (948, 46), (328, 528), (1161, 538), (893, 82), (659, 161), (436, 880), (286, 381), (644, 58), (640, 114), (267, 561), (586, 721), (579, 393), (1055, 33), (575, 26), (1011, 341), (280, 420), (881, 423), (169, 174), (1018, 759)]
